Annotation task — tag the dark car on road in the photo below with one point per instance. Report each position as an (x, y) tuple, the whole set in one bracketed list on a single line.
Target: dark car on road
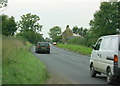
[(42, 47)]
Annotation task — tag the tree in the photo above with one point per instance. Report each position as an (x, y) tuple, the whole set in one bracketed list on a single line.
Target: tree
[(106, 21), (55, 32), (31, 36), (8, 25), (29, 22), (30, 28), (48, 39), (81, 31), (75, 29), (58, 39)]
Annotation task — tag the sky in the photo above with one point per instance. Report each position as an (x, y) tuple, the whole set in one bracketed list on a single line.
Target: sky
[(55, 12)]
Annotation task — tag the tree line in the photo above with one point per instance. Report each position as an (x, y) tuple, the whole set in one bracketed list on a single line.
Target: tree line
[(28, 27), (106, 21)]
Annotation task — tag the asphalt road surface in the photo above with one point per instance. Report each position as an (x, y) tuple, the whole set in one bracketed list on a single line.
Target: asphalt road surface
[(66, 67)]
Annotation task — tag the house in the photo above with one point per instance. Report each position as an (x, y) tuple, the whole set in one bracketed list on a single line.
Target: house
[(67, 34)]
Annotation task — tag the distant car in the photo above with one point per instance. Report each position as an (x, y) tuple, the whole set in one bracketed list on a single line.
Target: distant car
[(54, 43), (105, 58), (42, 47)]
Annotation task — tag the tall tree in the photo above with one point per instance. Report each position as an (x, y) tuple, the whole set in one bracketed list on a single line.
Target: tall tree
[(8, 25), (29, 22), (80, 31), (106, 20), (55, 32), (30, 28), (31, 36), (75, 29)]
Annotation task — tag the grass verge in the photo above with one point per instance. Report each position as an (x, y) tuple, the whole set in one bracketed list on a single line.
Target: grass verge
[(19, 65), (76, 48)]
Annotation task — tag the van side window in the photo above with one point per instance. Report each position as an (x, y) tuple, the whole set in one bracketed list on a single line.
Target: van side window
[(97, 46), (113, 44), (106, 44)]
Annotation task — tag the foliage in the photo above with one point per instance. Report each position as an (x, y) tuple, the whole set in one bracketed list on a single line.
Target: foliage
[(76, 48), (8, 25), (81, 31), (48, 39), (58, 39), (31, 36), (82, 41), (75, 29), (55, 33), (19, 65), (30, 28), (106, 20), (29, 22)]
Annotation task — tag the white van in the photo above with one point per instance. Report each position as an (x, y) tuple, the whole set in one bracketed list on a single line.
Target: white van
[(105, 58)]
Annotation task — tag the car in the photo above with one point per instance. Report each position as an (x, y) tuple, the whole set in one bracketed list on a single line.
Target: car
[(105, 58), (42, 47), (54, 43)]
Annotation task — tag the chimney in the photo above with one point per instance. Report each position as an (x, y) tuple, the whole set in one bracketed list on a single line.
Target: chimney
[(67, 26)]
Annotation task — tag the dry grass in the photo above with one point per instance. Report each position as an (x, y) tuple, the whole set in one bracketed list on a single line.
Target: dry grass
[(19, 65), (9, 46)]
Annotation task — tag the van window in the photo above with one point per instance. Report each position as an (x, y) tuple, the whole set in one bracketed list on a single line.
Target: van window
[(109, 44), (97, 46), (113, 44), (105, 44)]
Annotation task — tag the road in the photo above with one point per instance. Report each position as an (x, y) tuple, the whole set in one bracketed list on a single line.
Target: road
[(66, 67)]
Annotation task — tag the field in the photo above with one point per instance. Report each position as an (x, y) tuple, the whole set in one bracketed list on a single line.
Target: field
[(76, 48), (19, 65)]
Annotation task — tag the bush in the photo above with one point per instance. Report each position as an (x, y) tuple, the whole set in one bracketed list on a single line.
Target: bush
[(82, 41), (76, 40), (76, 48), (31, 36)]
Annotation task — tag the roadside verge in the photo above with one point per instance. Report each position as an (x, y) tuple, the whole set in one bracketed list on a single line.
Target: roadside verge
[(76, 48), (19, 65)]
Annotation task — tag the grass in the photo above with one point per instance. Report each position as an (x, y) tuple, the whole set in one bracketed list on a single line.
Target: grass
[(19, 65), (76, 48)]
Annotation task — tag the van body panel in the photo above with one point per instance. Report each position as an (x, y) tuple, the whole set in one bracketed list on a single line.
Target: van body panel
[(104, 57)]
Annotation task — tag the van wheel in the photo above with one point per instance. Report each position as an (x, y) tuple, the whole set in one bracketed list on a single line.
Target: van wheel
[(92, 71), (109, 77)]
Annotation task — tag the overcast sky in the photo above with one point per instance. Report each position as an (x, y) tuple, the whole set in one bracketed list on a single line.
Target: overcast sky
[(55, 12)]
